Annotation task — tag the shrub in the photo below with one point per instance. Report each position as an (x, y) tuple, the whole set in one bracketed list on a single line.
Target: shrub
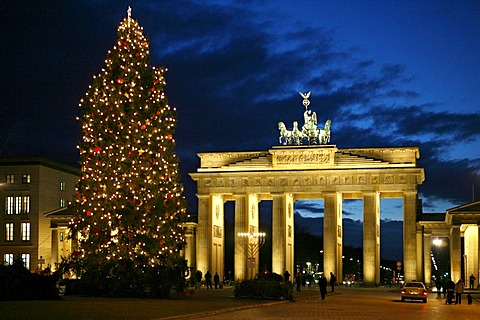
[(18, 283), (269, 286)]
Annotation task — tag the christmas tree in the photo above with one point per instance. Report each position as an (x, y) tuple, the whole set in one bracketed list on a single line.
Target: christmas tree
[(129, 202)]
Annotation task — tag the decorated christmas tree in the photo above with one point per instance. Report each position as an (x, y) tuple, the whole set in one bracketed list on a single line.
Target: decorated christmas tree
[(129, 202)]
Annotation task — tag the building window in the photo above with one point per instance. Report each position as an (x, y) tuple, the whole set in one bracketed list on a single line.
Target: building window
[(62, 203), (62, 235), (62, 185), (26, 260), (26, 204), (25, 231), (10, 178), (9, 231), (25, 178), (9, 205), (17, 205), (8, 259)]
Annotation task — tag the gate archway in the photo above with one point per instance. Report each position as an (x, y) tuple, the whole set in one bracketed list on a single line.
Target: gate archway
[(287, 173)]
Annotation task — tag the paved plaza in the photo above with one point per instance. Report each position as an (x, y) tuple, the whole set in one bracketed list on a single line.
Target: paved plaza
[(346, 303)]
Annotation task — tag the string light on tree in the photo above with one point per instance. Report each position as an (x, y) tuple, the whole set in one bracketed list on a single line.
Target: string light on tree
[(129, 202)]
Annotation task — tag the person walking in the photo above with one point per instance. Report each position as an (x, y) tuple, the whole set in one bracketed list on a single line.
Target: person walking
[(198, 279), (298, 281), (322, 283), (208, 279), (286, 276), (472, 281), (459, 286), (333, 279), (216, 280), (438, 285)]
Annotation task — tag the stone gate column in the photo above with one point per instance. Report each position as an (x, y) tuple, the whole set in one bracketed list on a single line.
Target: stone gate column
[(282, 234), (332, 235), (371, 238), (471, 251), (455, 253), (409, 235), (253, 227), (204, 234), (427, 258), (241, 225)]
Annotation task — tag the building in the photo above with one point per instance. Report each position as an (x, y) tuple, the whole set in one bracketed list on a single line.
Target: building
[(31, 189)]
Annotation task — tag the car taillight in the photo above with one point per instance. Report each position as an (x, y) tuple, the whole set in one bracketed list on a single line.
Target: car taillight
[(425, 293)]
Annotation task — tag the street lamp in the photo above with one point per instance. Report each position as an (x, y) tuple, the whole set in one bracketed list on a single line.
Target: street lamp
[(251, 244)]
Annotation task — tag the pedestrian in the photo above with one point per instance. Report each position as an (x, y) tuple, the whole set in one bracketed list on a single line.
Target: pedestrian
[(208, 279), (444, 287), (198, 279), (472, 281), (286, 276), (216, 280), (298, 281), (322, 283), (333, 279), (458, 291), (469, 298), (438, 285)]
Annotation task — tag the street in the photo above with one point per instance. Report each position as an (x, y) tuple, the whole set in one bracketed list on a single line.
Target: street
[(357, 303)]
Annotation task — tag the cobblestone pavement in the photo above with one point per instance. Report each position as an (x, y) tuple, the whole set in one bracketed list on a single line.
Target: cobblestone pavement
[(352, 303)]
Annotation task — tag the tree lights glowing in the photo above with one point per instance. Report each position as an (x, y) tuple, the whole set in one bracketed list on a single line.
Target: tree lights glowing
[(129, 199)]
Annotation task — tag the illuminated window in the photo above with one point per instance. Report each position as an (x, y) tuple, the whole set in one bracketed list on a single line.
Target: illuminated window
[(62, 185), (26, 260), (9, 205), (17, 205), (9, 231), (62, 235), (8, 259), (26, 204), (25, 231), (62, 203), (10, 178), (25, 178)]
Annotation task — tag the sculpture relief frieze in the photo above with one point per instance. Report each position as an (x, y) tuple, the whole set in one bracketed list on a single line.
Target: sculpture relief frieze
[(302, 158)]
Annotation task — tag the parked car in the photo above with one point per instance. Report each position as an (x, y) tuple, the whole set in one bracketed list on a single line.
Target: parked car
[(414, 290)]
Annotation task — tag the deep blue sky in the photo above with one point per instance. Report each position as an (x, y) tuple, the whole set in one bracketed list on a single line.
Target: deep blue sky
[(388, 73)]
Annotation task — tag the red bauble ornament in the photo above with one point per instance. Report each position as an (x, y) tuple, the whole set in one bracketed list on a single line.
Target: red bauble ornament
[(97, 149), (161, 242), (137, 54), (89, 213), (170, 136), (153, 89), (143, 127), (75, 253), (124, 43), (84, 198), (169, 197), (130, 235), (96, 231), (120, 80), (131, 153)]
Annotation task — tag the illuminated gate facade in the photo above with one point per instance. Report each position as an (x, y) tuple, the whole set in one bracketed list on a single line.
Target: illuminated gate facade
[(285, 174)]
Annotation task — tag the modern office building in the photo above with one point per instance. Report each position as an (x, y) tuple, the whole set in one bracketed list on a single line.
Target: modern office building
[(32, 191)]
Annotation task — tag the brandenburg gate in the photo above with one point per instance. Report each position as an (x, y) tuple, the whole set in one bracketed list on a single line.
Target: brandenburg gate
[(284, 174), (291, 172)]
